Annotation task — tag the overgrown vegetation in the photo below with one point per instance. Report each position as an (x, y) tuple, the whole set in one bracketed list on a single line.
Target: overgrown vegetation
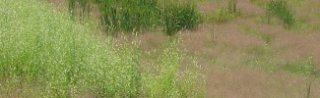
[(45, 54), (169, 80), (280, 9), (180, 16), (139, 15), (129, 15)]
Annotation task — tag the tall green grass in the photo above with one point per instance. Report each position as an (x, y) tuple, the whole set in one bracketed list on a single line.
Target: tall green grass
[(45, 54), (280, 9), (129, 15), (177, 17), (140, 15), (169, 80)]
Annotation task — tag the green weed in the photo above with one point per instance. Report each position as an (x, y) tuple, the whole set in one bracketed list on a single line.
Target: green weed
[(280, 9), (129, 15), (170, 81), (180, 16)]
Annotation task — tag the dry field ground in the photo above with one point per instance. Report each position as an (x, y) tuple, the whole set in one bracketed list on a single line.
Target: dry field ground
[(248, 58)]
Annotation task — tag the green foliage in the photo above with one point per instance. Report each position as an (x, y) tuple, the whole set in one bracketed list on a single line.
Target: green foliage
[(129, 15), (138, 15), (45, 54), (279, 8), (170, 81), (121, 77), (180, 16)]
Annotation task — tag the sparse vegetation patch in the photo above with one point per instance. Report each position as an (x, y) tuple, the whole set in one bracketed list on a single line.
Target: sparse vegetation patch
[(226, 13), (281, 10)]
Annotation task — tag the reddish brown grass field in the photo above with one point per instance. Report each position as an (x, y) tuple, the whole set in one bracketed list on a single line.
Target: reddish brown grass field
[(224, 48)]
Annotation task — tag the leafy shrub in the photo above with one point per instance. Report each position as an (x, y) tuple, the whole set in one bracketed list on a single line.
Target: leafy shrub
[(279, 8), (178, 17)]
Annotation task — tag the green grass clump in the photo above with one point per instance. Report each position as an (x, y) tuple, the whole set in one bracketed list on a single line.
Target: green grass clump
[(129, 15), (180, 16), (45, 54), (138, 15), (170, 81), (280, 9)]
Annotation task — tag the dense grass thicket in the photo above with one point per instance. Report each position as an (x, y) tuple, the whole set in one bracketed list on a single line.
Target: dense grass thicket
[(139, 15), (128, 15), (180, 16), (43, 53)]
